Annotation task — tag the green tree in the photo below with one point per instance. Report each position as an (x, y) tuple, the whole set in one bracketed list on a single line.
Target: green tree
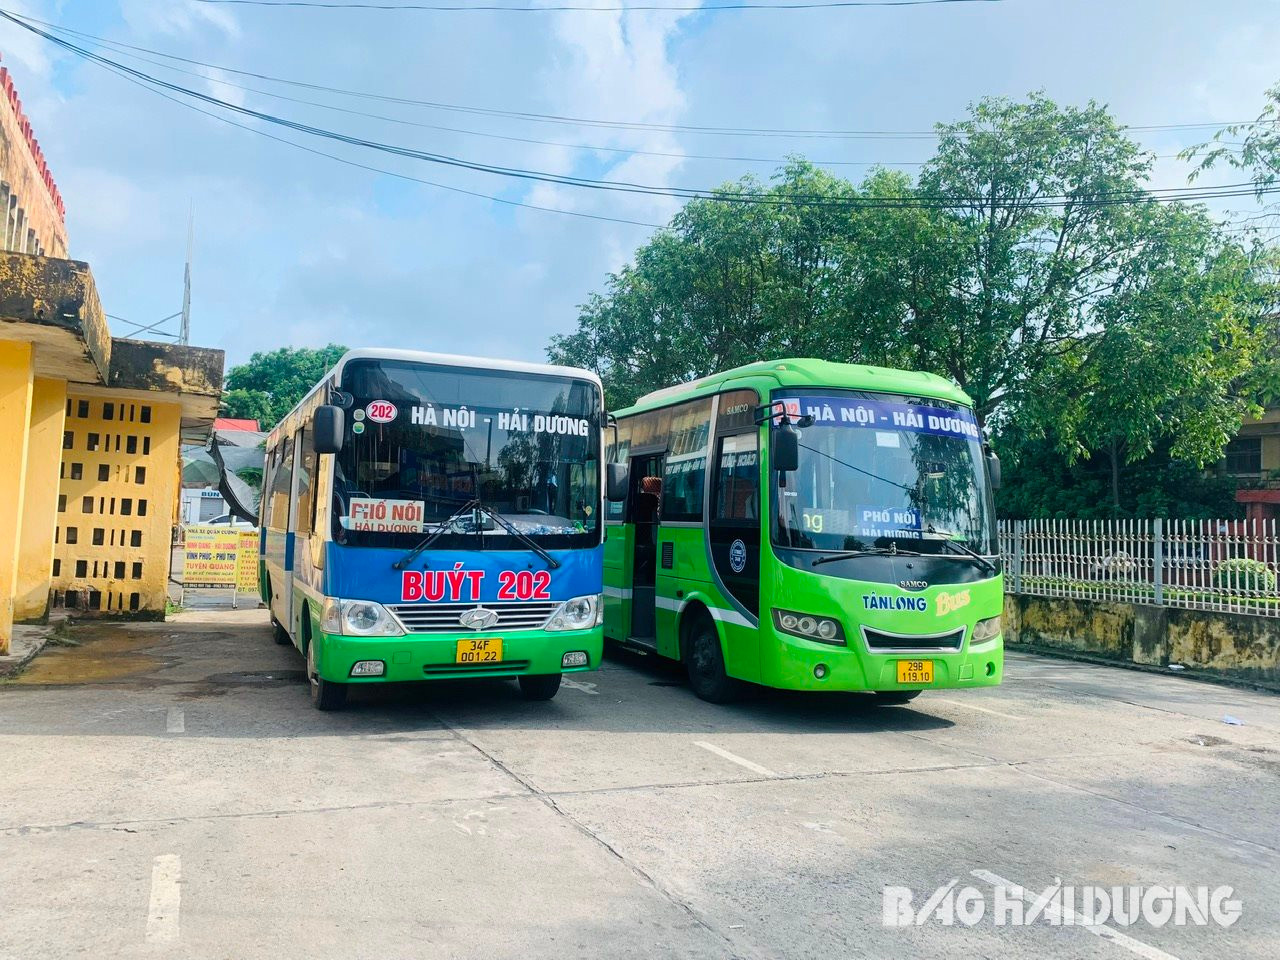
[(269, 385)]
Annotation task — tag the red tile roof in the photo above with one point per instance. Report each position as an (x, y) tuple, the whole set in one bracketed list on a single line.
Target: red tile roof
[(230, 423)]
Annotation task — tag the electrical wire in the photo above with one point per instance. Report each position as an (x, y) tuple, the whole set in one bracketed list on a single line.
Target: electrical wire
[(1098, 198), (587, 122), (593, 148), (494, 8)]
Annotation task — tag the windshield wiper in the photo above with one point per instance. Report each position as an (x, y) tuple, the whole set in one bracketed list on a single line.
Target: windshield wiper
[(963, 548), (435, 535), (873, 552), (520, 535)]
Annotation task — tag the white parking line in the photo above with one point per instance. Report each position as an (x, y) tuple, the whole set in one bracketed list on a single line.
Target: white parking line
[(740, 761), (176, 721), (166, 899), (974, 706), (1068, 916), (579, 685)]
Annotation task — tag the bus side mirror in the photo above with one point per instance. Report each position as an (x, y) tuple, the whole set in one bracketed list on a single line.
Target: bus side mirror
[(617, 477), (993, 467), (327, 427), (786, 448)]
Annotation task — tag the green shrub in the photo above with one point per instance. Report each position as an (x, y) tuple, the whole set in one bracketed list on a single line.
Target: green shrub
[(1242, 573)]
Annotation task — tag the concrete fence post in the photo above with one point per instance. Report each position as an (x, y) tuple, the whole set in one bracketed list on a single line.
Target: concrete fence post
[(1157, 559)]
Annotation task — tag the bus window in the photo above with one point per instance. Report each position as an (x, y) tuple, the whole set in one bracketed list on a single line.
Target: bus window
[(686, 462), (738, 486), (282, 486), (305, 521)]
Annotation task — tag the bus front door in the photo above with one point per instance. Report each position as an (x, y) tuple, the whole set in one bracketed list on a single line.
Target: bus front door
[(646, 508)]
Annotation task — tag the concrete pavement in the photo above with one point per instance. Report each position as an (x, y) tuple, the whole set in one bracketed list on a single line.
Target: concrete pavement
[(169, 792)]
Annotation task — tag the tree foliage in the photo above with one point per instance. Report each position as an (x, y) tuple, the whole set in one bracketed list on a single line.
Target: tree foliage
[(268, 385), (1027, 263)]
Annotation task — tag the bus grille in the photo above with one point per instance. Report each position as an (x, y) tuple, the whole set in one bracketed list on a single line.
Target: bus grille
[(443, 617), (878, 642), (453, 669)]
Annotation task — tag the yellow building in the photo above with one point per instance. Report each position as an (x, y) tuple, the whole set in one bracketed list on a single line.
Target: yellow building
[(1253, 458), (90, 429)]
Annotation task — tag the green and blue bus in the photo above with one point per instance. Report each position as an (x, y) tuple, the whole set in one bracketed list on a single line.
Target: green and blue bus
[(427, 516), (807, 525)]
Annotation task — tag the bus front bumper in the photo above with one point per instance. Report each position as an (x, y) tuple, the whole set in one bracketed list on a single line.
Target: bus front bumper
[(434, 656), (853, 668)]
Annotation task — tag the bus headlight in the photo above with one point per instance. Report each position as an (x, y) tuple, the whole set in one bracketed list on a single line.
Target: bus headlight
[(580, 613), (808, 626), (985, 631), (359, 618)]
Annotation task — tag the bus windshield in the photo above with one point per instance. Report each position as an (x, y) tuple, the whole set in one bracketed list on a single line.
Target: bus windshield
[(424, 441), (884, 472)]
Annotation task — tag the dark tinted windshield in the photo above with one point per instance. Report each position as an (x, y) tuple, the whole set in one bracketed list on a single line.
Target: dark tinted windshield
[(424, 441), (879, 470)]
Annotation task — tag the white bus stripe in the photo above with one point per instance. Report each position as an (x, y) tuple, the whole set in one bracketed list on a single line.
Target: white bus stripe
[(733, 757)]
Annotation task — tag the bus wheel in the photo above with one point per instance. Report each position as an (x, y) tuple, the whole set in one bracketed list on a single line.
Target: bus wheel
[(540, 687), (279, 634), (325, 694), (705, 663), (891, 697)]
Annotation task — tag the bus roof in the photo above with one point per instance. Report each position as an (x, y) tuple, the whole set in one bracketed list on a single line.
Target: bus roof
[(440, 359), (808, 372)]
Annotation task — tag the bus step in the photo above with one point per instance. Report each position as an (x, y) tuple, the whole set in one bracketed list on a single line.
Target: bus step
[(644, 645)]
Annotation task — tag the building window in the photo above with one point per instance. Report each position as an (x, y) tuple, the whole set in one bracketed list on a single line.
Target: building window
[(86, 505), (57, 568), (82, 568), (131, 445), (142, 508), (93, 441), (146, 414), (146, 444), (104, 472), (135, 538), (140, 475), (68, 440), (77, 471), (99, 536), (73, 535), (62, 503), (137, 571), (1244, 456), (119, 570), (108, 410), (82, 409), (126, 506), (135, 600)]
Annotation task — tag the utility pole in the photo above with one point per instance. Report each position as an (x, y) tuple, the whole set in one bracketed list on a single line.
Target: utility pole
[(184, 333)]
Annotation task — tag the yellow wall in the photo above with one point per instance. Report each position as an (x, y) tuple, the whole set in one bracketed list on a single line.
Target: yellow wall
[(104, 498), (40, 503), (16, 366)]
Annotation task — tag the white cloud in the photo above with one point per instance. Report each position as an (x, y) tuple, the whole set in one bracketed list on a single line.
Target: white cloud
[(178, 17)]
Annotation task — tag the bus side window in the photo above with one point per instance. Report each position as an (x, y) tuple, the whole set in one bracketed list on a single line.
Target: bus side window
[(738, 481), (306, 482), (282, 486)]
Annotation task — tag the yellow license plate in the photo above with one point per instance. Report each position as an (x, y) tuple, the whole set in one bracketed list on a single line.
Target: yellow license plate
[(915, 671), (487, 650)]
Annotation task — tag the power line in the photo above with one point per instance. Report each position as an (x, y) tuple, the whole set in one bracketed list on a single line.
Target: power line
[(595, 148), (494, 8), (588, 122), (1097, 198)]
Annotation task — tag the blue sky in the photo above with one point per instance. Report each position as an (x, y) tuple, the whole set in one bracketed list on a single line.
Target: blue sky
[(296, 249)]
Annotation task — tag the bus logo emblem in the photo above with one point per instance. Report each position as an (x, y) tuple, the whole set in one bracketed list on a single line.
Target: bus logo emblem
[(913, 584), (738, 556), (478, 618), (381, 411)]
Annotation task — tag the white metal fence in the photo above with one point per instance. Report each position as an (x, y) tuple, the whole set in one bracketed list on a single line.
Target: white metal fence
[(1228, 565)]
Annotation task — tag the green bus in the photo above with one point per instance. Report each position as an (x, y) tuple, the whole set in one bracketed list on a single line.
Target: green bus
[(807, 525)]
